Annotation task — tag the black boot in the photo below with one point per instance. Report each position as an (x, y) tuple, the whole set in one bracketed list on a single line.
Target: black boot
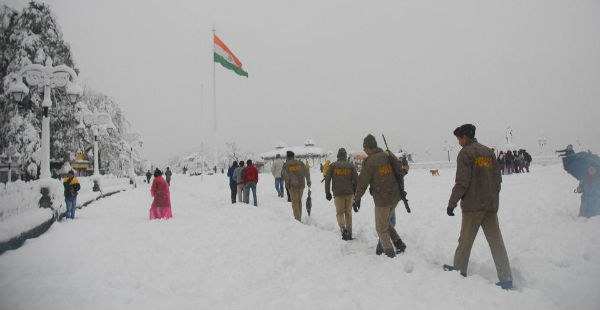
[(378, 251), (400, 246), (390, 253), (344, 234), (449, 268), (452, 268), (505, 285)]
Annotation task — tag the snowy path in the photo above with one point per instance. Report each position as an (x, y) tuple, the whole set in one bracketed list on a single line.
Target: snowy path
[(213, 254)]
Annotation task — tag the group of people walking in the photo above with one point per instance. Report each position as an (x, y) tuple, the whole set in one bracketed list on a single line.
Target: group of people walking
[(168, 174), (514, 161), (477, 187), (242, 180)]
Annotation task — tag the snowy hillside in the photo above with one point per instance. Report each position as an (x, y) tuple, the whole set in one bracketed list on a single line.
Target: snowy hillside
[(213, 254)]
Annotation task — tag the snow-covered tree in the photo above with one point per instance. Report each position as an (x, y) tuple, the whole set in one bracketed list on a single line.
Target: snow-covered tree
[(30, 37)]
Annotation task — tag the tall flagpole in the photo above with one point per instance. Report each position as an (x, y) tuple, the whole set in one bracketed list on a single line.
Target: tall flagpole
[(214, 30), (216, 139)]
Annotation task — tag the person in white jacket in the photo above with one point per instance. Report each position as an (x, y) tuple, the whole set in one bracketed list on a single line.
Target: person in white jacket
[(276, 171), (239, 179)]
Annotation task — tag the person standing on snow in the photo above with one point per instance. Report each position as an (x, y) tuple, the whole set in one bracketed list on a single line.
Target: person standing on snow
[(294, 173), (528, 159), (250, 180), (72, 186), (502, 162), (509, 160), (404, 162), (517, 161), (477, 186), (161, 205), (325, 169), (276, 171), (148, 176), (378, 173), (232, 182), (344, 177), (237, 176), (168, 175), (589, 187)]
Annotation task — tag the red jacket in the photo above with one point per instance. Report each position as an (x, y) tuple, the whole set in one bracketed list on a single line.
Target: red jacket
[(250, 174), (160, 192)]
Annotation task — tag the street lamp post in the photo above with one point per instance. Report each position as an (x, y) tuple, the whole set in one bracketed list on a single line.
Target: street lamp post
[(132, 138), (542, 142), (48, 77), (96, 164), (97, 121), (448, 147)]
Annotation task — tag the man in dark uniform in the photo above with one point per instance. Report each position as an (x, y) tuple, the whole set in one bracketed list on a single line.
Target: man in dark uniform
[(378, 173), (477, 186), (344, 178)]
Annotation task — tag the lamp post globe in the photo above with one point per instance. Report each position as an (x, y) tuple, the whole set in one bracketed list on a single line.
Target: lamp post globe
[(18, 90), (74, 91)]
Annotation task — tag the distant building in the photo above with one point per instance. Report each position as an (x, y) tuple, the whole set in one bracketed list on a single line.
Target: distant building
[(307, 152), (81, 165)]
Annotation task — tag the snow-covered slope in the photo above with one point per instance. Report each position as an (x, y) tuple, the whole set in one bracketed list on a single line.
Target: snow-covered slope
[(213, 254)]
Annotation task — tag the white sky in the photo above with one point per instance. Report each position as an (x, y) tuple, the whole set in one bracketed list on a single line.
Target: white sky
[(335, 71)]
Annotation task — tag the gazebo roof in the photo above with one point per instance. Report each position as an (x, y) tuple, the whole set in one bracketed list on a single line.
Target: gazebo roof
[(307, 150)]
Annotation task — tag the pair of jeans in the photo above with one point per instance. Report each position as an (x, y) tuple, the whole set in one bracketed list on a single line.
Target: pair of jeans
[(250, 186), (393, 222), (279, 186), (233, 187), (71, 205)]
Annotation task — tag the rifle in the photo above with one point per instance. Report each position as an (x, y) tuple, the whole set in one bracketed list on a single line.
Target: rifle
[(398, 181)]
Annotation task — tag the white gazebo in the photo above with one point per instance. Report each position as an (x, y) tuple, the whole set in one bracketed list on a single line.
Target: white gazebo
[(307, 152)]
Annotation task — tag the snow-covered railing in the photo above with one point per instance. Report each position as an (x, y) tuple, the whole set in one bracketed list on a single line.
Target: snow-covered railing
[(19, 202), (432, 165), (536, 160), (546, 160)]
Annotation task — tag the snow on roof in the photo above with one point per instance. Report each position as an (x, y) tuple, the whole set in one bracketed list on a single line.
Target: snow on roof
[(299, 151)]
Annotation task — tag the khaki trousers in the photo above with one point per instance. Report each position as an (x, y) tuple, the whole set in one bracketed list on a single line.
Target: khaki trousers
[(468, 231), (343, 211), (296, 196), (240, 192), (385, 230)]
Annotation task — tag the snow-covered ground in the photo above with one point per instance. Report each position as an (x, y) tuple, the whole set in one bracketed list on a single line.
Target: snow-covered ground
[(213, 254)]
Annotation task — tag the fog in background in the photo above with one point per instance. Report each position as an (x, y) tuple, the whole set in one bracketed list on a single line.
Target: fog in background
[(335, 71)]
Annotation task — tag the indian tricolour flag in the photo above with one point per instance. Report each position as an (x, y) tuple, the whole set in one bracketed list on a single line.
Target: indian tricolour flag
[(226, 58)]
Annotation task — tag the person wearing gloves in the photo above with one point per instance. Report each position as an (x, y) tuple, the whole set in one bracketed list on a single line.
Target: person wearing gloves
[(294, 174), (378, 173), (477, 186), (344, 178)]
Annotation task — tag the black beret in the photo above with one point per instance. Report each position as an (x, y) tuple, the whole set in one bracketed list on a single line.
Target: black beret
[(465, 130)]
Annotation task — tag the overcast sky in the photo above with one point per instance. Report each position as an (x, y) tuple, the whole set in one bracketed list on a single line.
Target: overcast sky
[(335, 71)]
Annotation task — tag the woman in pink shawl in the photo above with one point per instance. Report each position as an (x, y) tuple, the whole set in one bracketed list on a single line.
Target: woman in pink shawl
[(161, 206)]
